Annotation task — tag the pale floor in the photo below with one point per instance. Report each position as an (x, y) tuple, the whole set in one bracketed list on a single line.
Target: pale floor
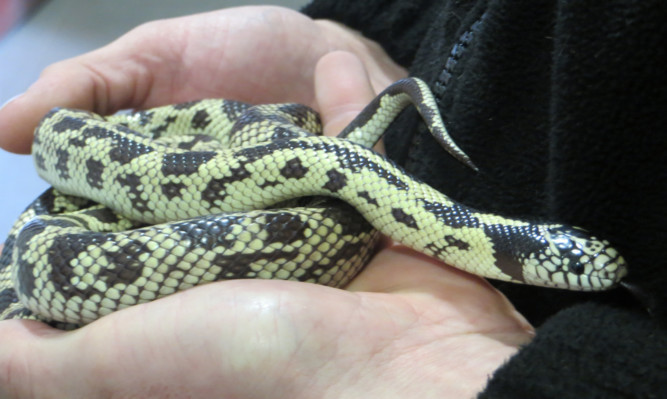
[(61, 29)]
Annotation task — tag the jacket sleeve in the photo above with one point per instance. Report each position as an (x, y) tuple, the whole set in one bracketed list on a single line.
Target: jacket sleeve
[(588, 351), (398, 26)]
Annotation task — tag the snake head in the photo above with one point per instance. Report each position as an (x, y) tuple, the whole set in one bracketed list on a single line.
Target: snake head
[(574, 259)]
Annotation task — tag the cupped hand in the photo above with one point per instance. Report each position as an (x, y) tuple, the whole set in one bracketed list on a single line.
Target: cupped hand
[(407, 326), (254, 54)]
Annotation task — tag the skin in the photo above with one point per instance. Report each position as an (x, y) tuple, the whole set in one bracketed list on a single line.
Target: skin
[(408, 326)]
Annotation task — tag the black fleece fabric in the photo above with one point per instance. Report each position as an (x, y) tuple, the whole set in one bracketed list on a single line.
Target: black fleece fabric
[(562, 104)]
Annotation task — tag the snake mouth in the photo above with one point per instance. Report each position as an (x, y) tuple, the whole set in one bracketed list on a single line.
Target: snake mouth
[(601, 273), (570, 273), (607, 277), (610, 266)]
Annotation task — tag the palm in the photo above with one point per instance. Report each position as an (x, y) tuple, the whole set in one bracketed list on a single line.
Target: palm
[(416, 320), (407, 326)]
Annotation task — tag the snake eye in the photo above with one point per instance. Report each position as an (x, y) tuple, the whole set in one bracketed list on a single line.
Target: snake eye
[(577, 268)]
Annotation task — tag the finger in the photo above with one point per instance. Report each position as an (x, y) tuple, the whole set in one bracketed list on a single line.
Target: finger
[(102, 81), (232, 53), (342, 90), (399, 269), (402, 271), (382, 70)]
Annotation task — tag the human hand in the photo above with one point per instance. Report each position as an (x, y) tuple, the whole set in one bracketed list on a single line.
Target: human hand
[(253, 54), (408, 326)]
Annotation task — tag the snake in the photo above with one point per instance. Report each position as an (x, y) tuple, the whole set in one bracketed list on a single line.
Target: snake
[(147, 203)]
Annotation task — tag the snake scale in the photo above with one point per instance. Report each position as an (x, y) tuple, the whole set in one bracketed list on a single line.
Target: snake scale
[(149, 203)]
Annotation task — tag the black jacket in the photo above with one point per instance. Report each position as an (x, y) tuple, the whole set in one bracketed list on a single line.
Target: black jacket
[(563, 106)]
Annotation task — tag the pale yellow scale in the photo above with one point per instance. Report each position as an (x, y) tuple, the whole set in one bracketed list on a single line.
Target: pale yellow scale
[(163, 178)]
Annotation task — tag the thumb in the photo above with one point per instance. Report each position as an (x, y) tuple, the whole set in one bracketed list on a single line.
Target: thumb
[(342, 90)]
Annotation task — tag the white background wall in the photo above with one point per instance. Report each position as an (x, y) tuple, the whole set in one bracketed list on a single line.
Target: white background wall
[(62, 29)]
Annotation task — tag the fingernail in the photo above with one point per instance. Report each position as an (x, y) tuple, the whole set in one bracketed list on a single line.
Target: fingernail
[(10, 100)]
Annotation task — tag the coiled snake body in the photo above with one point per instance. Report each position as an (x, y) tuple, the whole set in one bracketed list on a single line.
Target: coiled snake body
[(151, 203)]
